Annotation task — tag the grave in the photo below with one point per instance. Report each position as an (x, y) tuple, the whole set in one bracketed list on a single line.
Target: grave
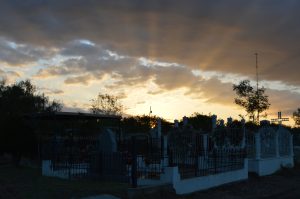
[(197, 163), (270, 149), (107, 141)]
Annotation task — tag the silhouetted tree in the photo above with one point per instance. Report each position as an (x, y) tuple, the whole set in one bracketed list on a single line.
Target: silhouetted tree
[(106, 104), (253, 101), (143, 124), (296, 117), (17, 101), (201, 122)]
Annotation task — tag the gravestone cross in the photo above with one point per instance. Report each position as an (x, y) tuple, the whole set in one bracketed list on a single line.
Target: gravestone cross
[(279, 120)]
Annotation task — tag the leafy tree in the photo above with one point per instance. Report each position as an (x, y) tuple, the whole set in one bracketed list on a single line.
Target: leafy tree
[(201, 122), (17, 101), (296, 117), (106, 104), (253, 101), (137, 124), (143, 124)]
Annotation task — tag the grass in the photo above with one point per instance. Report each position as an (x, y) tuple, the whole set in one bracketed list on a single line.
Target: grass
[(29, 183)]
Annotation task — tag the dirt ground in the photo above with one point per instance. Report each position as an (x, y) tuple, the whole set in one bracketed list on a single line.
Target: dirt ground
[(282, 185), (27, 183)]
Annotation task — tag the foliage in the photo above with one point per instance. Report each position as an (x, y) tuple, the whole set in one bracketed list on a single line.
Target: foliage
[(17, 101), (201, 122), (253, 101), (142, 124), (138, 124), (296, 117), (106, 104)]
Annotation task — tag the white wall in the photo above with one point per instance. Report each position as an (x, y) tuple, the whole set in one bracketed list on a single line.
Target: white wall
[(270, 165), (48, 171), (205, 182)]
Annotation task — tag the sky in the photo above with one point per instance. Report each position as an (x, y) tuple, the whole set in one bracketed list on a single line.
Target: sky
[(179, 57)]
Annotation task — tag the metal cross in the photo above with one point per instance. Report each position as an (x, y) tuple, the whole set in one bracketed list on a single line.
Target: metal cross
[(279, 119)]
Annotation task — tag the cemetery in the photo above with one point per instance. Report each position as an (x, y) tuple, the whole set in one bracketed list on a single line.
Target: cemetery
[(189, 160)]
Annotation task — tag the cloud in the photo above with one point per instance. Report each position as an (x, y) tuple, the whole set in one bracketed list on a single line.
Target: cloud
[(156, 45), (214, 91), (14, 54), (9, 76), (208, 35), (49, 91), (82, 79)]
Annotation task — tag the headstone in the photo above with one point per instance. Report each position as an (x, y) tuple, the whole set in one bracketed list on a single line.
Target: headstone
[(267, 142), (243, 144), (222, 123), (158, 128), (229, 121), (280, 119), (264, 123), (243, 121), (176, 125), (108, 141), (214, 121), (185, 121), (284, 141)]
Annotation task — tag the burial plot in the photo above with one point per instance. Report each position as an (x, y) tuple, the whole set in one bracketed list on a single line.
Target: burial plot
[(273, 150)]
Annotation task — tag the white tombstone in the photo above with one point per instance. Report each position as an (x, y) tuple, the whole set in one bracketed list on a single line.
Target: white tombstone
[(108, 141), (229, 121), (176, 124), (264, 123), (158, 128), (243, 144), (222, 123), (285, 142), (185, 121), (214, 121)]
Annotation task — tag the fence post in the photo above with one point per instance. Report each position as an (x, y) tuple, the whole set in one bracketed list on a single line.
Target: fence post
[(196, 164), (205, 145), (277, 144), (257, 146), (215, 160), (214, 122), (164, 153), (244, 133), (291, 145), (134, 163)]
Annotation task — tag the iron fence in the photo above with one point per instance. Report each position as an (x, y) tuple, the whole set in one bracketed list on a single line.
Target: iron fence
[(204, 162), (81, 157), (203, 154)]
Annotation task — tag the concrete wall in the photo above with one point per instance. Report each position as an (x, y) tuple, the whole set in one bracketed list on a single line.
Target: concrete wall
[(270, 165), (172, 176), (205, 182), (47, 170)]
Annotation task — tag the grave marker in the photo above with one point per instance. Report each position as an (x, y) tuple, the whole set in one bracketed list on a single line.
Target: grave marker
[(279, 120)]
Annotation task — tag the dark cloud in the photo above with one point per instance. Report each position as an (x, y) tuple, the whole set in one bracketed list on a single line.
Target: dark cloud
[(83, 41), (21, 54), (210, 35)]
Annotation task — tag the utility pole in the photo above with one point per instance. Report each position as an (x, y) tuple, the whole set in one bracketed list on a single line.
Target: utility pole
[(256, 65), (150, 112)]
